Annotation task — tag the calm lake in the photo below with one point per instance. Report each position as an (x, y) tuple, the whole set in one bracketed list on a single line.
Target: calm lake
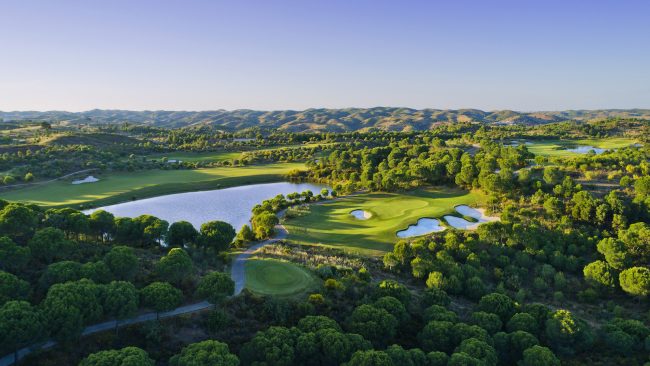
[(232, 205)]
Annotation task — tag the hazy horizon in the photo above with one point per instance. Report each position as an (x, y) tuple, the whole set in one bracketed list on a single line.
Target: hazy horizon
[(293, 55)]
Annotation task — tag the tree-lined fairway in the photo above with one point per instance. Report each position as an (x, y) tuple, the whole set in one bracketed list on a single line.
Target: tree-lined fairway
[(274, 277), (559, 147), (124, 186), (332, 224)]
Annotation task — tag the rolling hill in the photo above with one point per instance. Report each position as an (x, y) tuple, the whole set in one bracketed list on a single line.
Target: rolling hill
[(313, 120)]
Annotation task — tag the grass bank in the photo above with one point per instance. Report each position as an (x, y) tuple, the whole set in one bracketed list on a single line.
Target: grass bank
[(125, 186)]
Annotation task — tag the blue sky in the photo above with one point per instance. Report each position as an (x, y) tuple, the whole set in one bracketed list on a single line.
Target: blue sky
[(297, 54)]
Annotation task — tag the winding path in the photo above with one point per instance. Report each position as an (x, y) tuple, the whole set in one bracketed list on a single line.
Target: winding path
[(238, 271)]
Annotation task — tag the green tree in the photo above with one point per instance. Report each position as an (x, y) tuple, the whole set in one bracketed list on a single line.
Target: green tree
[(600, 275), (102, 224), (522, 321), (161, 296), (98, 272), (499, 304), (273, 346), (49, 244), (175, 267), (128, 356), (69, 306), (245, 234), (151, 230), (215, 287), (392, 306), (206, 353), (635, 281), (12, 288), (216, 236), (314, 323), (181, 234), (479, 350), (463, 359), (437, 336), (121, 300), (18, 222), (60, 272), (566, 333), (122, 262), (20, 326), (370, 358), (488, 321), (13, 258), (376, 325), (263, 224), (539, 356)]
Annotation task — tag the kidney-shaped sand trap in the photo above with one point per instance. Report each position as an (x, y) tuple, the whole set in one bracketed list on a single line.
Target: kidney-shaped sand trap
[(424, 226), (361, 214), (477, 213)]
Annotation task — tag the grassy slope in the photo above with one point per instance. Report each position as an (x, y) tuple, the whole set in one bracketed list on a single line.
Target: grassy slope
[(274, 277), (331, 223), (558, 147), (123, 186)]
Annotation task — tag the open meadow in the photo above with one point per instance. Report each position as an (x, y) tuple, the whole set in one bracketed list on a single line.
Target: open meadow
[(331, 223)]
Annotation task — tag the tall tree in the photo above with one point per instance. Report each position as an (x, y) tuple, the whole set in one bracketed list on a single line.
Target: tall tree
[(206, 353), (175, 267), (181, 234), (20, 326), (161, 296), (216, 236)]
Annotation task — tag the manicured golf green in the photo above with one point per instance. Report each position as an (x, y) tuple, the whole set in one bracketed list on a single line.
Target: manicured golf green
[(124, 186), (559, 147), (332, 224), (278, 278)]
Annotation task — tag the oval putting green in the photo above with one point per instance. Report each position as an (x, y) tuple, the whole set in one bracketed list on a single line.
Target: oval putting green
[(274, 277)]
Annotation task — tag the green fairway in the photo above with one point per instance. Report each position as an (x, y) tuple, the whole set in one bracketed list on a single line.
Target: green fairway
[(559, 147), (274, 277), (124, 186), (332, 224), (193, 157)]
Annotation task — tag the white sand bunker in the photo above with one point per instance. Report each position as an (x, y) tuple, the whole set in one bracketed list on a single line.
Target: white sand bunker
[(424, 226), (88, 179), (361, 214), (476, 213)]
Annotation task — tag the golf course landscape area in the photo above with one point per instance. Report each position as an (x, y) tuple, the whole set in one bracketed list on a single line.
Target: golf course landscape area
[(193, 157), (562, 147), (279, 278), (331, 223), (125, 186)]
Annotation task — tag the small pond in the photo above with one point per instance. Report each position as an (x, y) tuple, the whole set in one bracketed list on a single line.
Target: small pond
[(361, 214), (232, 205), (424, 226)]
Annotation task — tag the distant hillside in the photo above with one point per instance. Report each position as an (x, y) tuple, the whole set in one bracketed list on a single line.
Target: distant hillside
[(311, 120)]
